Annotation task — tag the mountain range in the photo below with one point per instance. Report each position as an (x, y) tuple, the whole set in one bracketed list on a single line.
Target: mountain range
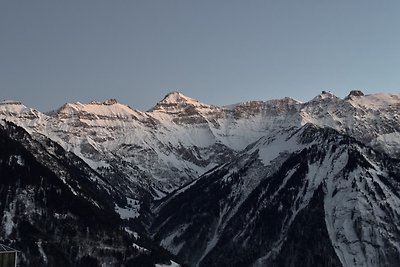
[(259, 183)]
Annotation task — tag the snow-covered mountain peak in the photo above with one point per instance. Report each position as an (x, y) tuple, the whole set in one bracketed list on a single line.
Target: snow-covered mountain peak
[(10, 102), (14, 109), (108, 102), (355, 93), (284, 102), (109, 108), (183, 133), (177, 97), (11, 105), (325, 96), (175, 102)]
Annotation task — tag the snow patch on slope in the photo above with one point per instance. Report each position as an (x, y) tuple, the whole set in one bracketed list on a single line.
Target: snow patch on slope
[(168, 243), (131, 210), (41, 251), (273, 148), (376, 101), (172, 264), (389, 143), (349, 213)]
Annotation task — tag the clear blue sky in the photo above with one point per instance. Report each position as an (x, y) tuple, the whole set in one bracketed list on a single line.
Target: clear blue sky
[(220, 52)]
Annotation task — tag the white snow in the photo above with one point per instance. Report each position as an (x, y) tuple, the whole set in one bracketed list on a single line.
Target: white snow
[(390, 138), (177, 97), (389, 143), (272, 149), (172, 264), (142, 249), (176, 102), (215, 237), (132, 233), (20, 160), (131, 210), (349, 213), (8, 222), (99, 110), (150, 147), (17, 159), (376, 102), (168, 243), (41, 251), (110, 135)]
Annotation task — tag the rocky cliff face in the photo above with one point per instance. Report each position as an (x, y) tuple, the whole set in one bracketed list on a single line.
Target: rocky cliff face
[(213, 163), (331, 201), (153, 153)]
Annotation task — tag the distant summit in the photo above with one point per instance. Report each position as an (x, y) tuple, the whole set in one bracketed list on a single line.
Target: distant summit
[(107, 102), (176, 98), (110, 109), (10, 102), (354, 93), (324, 95), (176, 102)]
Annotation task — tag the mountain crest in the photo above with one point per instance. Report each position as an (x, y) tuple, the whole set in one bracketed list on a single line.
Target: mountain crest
[(177, 102), (177, 98), (324, 96), (110, 108), (17, 108), (355, 93), (10, 102), (108, 102)]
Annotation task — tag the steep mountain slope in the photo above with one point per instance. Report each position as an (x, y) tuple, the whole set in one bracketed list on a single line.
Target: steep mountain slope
[(330, 201), (370, 119), (138, 151), (271, 174), (59, 212), (152, 153)]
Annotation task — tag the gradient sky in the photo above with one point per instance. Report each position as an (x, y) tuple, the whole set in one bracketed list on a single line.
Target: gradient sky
[(219, 52)]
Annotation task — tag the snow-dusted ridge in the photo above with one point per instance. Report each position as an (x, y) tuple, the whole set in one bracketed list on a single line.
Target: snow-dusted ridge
[(108, 108), (10, 102), (177, 98), (176, 102), (181, 138), (12, 106), (326, 199), (330, 159)]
